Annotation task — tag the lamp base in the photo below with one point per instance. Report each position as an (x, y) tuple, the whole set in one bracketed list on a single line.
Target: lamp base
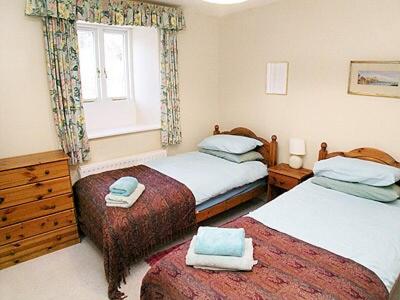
[(295, 162)]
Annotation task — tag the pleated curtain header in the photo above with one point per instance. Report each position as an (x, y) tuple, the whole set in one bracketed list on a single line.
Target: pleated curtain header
[(113, 12)]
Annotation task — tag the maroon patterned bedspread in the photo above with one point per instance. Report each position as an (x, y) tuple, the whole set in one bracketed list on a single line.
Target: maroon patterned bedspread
[(165, 210), (287, 268)]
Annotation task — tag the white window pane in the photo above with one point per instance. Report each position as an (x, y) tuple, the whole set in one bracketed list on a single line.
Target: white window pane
[(115, 64), (88, 68)]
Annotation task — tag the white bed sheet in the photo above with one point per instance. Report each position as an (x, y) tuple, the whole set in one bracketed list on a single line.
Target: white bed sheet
[(365, 231), (208, 176)]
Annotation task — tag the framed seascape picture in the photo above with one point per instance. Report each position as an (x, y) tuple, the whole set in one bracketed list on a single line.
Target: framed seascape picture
[(375, 78), (277, 78)]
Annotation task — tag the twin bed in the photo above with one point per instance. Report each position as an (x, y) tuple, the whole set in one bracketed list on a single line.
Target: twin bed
[(310, 243), (181, 191)]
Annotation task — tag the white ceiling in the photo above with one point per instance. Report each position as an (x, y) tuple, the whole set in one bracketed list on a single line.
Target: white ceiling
[(215, 9)]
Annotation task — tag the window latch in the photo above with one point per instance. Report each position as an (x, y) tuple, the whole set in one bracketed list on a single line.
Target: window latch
[(98, 73), (105, 73)]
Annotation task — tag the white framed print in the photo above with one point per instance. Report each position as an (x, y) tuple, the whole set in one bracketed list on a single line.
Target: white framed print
[(277, 78)]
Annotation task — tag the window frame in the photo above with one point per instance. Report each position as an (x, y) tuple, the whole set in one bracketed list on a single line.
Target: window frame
[(99, 30), (97, 59)]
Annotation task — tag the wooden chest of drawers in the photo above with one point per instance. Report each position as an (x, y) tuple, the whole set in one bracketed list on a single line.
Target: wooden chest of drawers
[(37, 214)]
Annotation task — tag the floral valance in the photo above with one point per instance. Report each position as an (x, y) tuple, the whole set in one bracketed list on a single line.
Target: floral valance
[(115, 12)]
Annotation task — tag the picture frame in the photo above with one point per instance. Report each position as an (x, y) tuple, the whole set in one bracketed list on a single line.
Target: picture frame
[(277, 78), (375, 78)]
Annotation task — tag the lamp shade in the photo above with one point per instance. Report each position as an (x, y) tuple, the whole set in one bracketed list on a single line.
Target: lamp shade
[(297, 146)]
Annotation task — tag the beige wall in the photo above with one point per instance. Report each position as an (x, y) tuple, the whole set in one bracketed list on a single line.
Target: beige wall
[(198, 70), (222, 64), (318, 38), (26, 123)]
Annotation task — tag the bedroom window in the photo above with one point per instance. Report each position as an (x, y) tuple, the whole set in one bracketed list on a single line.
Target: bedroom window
[(120, 78), (105, 63)]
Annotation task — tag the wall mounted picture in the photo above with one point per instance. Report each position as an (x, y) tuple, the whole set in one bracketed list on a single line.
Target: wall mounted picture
[(375, 78), (277, 78)]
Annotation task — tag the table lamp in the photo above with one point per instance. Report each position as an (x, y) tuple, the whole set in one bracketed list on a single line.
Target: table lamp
[(297, 148)]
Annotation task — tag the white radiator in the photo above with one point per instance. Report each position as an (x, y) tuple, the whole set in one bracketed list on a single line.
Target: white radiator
[(119, 163)]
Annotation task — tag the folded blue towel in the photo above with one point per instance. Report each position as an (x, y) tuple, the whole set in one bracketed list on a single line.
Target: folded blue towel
[(220, 241), (124, 186)]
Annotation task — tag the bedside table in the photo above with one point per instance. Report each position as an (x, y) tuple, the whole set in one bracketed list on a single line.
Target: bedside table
[(283, 178)]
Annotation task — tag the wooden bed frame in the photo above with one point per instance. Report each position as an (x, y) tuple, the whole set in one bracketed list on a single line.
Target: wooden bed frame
[(370, 154), (374, 155), (269, 150)]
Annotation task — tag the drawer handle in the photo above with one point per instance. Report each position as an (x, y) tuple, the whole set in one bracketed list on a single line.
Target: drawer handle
[(4, 218), (55, 223), (38, 184), (40, 197), (47, 172), (1, 200), (47, 207), (8, 237), (58, 238), (50, 190)]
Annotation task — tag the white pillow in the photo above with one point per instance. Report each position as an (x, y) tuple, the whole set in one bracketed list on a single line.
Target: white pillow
[(230, 143), (357, 170)]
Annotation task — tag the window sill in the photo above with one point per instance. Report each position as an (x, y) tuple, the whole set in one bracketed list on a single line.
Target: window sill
[(98, 134)]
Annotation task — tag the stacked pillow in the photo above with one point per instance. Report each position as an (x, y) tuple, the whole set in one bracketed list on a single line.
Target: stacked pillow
[(234, 148), (358, 177)]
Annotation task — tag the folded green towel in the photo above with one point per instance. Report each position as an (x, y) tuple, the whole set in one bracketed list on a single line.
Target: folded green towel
[(124, 186), (222, 263), (124, 201), (220, 241)]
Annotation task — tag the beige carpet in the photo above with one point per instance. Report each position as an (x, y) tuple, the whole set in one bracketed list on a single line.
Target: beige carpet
[(77, 272)]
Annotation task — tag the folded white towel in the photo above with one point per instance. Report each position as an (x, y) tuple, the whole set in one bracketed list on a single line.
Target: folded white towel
[(212, 269), (124, 201), (222, 263)]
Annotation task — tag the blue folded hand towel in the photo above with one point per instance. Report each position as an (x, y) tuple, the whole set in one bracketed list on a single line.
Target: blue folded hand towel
[(220, 241), (124, 186)]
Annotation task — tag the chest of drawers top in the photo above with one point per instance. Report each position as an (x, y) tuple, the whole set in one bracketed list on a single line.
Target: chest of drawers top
[(28, 169)]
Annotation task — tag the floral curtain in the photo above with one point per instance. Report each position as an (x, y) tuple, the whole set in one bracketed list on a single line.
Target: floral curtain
[(113, 12), (170, 104), (59, 17), (61, 46)]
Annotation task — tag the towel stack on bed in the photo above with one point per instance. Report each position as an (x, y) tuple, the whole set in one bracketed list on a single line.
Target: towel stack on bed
[(124, 192), (221, 249)]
